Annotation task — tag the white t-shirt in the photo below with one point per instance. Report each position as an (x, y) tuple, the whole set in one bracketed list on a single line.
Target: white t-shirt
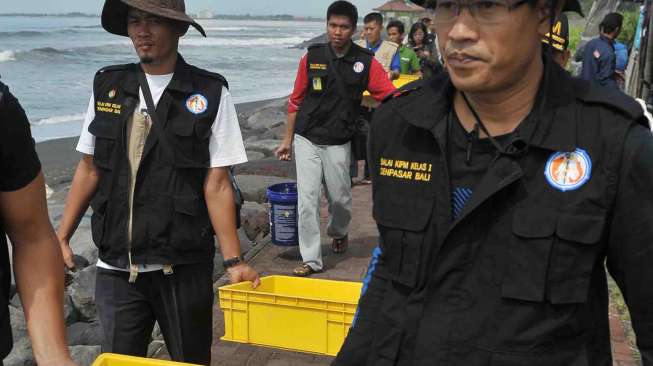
[(226, 145)]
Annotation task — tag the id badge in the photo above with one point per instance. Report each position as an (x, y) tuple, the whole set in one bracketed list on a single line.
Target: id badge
[(317, 84)]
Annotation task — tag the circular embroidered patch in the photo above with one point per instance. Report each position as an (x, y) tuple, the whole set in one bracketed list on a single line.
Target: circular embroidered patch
[(359, 67), (568, 171), (197, 104)]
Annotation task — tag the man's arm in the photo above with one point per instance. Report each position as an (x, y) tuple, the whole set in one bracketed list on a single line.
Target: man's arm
[(379, 85), (219, 196), (84, 186), (38, 269), (284, 151), (630, 255)]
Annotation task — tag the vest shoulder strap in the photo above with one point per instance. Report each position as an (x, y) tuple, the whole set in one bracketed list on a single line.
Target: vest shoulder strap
[(211, 75), (615, 100), (316, 46), (114, 68), (405, 90)]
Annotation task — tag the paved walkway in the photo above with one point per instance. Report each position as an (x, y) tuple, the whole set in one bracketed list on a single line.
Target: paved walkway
[(351, 267)]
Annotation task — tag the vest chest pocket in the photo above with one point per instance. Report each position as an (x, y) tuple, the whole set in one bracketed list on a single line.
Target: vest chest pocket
[(190, 143), (402, 224), (574, 257), (318, 81), (551, 256), (190, 223), (106, 132)]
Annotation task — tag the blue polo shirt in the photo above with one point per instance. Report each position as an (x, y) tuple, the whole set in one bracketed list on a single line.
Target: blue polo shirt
[(599, 62), (395, 65)]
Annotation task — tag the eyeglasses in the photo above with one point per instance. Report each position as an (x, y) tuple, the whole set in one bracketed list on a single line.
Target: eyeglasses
[(483, 11)]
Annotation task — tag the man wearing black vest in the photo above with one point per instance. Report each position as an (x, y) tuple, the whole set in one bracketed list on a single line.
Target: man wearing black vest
[(321, 113), (503, 189), (158, 139)]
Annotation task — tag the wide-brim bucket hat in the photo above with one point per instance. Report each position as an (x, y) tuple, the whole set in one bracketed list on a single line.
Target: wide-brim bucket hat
[(114, 13), (570, 5)]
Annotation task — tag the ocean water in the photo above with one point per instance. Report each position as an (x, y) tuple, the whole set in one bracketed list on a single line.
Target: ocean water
[(49, 62)]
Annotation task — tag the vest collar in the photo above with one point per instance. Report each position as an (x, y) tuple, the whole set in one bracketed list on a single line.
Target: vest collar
[(350, 56), (181, 79), (551, 125)]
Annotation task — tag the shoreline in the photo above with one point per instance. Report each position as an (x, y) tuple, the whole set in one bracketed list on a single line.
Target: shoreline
[(59, 157)]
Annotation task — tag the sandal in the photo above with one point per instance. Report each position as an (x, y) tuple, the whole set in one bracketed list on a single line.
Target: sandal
[(339, 246), (304, 270)]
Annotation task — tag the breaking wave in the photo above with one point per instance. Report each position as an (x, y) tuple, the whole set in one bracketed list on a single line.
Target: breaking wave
[(59, 119)]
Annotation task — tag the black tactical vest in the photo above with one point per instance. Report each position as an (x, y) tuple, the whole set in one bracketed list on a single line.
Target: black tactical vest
[(332, 102), (171, 223)]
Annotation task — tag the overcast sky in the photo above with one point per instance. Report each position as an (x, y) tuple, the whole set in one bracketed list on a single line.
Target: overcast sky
[(315, 8)]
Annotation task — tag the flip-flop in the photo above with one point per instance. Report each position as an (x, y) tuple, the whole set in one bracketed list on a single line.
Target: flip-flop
[(304, 270)]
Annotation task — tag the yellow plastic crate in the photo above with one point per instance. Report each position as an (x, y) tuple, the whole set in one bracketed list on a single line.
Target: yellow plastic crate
[(402, 80), (299, 314), (109, 359)]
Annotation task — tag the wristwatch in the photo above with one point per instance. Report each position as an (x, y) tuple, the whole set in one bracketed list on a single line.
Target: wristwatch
[(232, 262)]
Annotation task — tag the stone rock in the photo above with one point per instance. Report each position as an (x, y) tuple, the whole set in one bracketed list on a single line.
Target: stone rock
[(323, 38), (155, 348), (254, 187), (21, 354), (255, 219), (268, 167), (84, 355), (15, 302), (18, 323), (255, 155), (69, 311), (156, 332), (84, 334), (268, 117), (91, 254), (278, 132), (80, 262), (82, 292), (252, 134), (267, 147), (82, 242)]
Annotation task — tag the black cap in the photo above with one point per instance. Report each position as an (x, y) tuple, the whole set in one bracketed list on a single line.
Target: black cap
[(570, 5), (558, 38)]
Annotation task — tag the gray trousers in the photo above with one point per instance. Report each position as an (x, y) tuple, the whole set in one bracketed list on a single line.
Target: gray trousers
[(318, 165)]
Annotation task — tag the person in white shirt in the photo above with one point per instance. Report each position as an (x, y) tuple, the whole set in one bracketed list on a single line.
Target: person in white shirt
[(157, 143)]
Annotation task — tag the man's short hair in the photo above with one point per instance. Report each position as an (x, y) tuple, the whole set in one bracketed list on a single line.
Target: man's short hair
[(373, 17), (611, 22), (343, 8), (396, 24)]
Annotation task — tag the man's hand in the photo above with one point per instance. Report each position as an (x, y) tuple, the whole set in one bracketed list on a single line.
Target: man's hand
[(67, 254), (243, 272), (284, 151)]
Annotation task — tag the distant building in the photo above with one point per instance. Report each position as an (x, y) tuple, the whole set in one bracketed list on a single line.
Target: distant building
[(205, 14), (402, 10)]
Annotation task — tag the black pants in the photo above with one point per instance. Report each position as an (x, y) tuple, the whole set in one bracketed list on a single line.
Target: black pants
[(181, 303)]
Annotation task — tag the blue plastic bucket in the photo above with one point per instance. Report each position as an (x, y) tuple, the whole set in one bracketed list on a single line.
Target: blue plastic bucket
[(283, 214)]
